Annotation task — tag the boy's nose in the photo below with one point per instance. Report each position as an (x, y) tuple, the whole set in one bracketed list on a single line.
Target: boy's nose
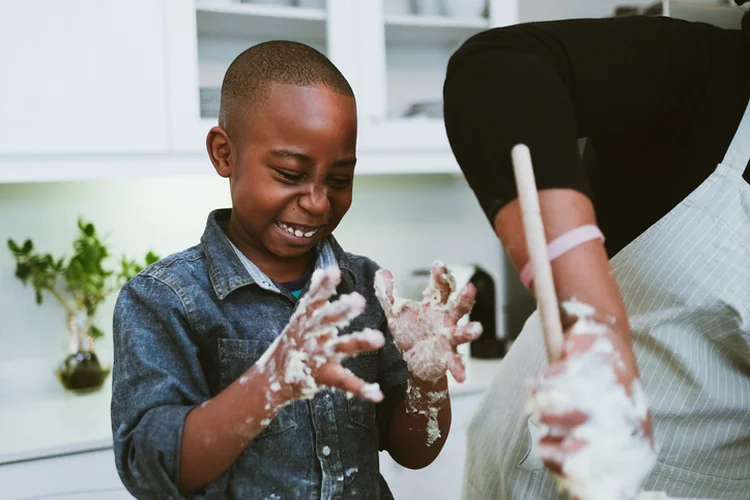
[(315, 200)]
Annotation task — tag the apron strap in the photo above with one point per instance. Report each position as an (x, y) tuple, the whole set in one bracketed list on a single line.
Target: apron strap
[(738, 154)]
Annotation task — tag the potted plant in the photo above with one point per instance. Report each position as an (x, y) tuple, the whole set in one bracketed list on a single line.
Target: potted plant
[(80, 284)]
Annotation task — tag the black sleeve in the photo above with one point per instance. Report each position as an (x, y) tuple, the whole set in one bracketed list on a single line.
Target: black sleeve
[(548, 84)]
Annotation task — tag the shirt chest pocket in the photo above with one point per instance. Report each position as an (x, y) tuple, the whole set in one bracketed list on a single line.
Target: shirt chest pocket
[(364, 366), (236, 356)]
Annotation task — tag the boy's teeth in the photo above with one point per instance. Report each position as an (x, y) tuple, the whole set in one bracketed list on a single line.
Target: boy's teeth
[(297, 232)]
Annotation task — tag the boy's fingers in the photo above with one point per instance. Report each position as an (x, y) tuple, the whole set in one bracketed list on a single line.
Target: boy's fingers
[(335, 375), (457, 368), (336, 314), (366, 340), (384, 289), (467, 333), (323, 285), (462, 304), (443, 281)]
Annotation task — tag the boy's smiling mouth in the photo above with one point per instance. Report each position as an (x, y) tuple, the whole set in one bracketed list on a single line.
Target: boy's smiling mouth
[(298, 230)]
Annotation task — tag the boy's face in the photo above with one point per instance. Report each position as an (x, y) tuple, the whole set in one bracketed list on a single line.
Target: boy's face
[(291, 168)]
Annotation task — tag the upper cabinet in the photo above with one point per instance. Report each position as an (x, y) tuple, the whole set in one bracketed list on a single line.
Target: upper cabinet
[(204, 37), (410, 43), (82, 76), (393, 52), (726, 15), (87, 85)]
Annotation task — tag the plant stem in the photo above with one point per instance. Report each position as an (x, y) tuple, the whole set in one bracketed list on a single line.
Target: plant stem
[(62, 301)]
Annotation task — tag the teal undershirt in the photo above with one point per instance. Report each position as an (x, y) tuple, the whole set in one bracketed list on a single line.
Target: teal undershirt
[(297, 286)]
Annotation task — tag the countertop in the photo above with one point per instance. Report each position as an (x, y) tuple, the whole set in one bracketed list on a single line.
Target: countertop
[(38, 418)]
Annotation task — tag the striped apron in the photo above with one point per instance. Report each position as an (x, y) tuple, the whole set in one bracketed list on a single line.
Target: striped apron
[(686, 285)]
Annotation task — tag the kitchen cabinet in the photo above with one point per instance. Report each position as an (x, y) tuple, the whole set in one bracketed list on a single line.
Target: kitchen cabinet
[(204, 37), (82, 76), (728, 15), (81, 476), (409, 45), (392, 60), (444, 477), (92, 89)]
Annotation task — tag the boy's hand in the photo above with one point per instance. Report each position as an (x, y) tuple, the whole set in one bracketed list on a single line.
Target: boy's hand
[(426, 332), (307, 356), (597, 436)]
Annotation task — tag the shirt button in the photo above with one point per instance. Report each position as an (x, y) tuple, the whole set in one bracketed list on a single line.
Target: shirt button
[(326, 451)]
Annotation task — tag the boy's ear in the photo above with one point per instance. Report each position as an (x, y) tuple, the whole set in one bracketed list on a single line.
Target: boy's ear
[(219, 147)]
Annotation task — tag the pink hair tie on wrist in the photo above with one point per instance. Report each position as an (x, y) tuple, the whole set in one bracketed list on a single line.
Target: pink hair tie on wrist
[(561, 245)]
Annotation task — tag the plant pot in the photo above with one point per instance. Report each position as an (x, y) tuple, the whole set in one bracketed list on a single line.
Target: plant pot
[(82, 372)]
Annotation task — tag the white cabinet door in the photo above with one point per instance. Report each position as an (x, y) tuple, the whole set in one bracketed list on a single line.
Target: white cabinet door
[(187, 130), (443, 478), (82, 76), (203, 37), (407, 46), (82, 476)]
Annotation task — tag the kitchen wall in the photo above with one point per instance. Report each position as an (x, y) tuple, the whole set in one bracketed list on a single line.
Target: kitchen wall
[(402, 222)]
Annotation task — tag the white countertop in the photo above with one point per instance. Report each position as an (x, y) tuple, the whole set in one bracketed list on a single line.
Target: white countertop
[(38, 418)]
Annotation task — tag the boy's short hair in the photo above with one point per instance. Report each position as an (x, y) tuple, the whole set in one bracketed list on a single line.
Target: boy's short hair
[(251, 74)]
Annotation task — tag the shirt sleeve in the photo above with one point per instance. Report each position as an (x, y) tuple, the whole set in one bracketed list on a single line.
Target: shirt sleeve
[(548, 84), (157, 380)]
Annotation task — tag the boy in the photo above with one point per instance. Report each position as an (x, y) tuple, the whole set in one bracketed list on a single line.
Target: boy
[(224, 352)]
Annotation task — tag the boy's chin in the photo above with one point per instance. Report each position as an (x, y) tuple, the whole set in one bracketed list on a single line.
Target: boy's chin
[(289, 250)]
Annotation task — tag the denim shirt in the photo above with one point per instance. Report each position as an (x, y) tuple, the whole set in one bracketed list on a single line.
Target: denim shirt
[(190, 325)]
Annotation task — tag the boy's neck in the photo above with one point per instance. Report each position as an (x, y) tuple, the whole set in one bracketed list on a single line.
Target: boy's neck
[(279, 269)]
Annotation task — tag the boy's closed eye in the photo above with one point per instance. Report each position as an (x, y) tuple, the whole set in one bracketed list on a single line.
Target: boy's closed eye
[(340, 182), (288, 175), (292, 177)]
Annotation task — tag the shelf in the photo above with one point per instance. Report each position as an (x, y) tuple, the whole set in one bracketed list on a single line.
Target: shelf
[(431, 29), (80, 168), (260, 21), (404, 136)]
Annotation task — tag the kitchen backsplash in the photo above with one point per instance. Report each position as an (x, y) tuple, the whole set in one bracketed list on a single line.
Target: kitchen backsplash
[(402, 222)]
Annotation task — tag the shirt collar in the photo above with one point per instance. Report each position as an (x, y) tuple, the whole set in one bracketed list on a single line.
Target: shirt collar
[(229, 269)]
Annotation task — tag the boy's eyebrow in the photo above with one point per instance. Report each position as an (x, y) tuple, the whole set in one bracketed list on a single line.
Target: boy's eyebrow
[(288, 153), (303, 158), (345, 162)]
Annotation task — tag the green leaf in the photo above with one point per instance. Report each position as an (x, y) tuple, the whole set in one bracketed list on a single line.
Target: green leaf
[(151, 258), (13, 246), (38, 295), (95, 333), (23, 271), (28, 246)]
